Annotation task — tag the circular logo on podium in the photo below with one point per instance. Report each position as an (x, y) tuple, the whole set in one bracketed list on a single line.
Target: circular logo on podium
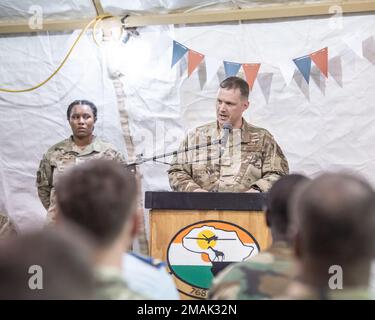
[(200, 250)]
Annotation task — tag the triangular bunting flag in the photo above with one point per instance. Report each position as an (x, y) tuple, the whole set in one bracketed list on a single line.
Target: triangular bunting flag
[(319, 79), (251, 71), (265, 81), (335, 69), (368, 46), (194, 59), (179, 51), (354, 42), (231, 68), (320, 58), (212, 65), (304, 66), (287, 68)]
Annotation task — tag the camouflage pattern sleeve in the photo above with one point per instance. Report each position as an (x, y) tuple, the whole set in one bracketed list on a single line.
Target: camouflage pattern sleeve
[(7, 228), (180, 171), (120, 158), (44, 181), (111, 153), (274, 164), (226, 285)]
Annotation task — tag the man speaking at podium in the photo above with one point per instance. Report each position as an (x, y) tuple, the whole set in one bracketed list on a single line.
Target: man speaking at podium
[(229, 154)]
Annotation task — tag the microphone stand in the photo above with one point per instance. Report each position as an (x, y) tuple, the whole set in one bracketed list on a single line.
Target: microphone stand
[(222, 141), (140, 160)]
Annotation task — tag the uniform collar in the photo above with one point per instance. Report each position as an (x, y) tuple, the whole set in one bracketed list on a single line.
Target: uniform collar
[(282, 248), (92, 147), (246, 130)]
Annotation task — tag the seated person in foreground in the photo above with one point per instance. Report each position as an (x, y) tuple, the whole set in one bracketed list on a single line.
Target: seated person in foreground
[(145, 274), (46, 265), (148, 275), (100, 196), (268, 274), (333, 226)]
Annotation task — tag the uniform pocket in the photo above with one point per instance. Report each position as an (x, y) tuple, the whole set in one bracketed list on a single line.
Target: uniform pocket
[(251, 168)]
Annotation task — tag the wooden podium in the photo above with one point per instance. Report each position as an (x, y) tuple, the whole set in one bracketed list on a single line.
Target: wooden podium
[(199, 234)]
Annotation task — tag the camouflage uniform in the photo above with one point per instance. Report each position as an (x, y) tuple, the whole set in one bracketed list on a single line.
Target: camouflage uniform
[(6, 227), (252, 159), (300, 291), (264, 276), (110, 285), (61, 156)]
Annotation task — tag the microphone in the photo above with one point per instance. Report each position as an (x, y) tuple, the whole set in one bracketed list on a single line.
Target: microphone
[(227, 128)]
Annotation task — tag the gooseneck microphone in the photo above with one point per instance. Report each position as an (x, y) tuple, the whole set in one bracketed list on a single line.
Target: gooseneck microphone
[(227, 128)]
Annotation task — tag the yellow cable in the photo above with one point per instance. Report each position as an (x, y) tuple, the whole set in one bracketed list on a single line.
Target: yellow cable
[(98, 18)]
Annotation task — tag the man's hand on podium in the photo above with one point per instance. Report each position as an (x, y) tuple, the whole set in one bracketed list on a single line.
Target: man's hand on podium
[(200, 190)]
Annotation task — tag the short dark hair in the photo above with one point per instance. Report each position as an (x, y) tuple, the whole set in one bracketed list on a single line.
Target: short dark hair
[(99, 196), (334, 216), (236, 83), (66, 266), (93, 107), (278, 200)]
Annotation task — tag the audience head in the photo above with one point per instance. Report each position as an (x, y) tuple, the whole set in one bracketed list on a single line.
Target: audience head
[(100, 196), (278, 201), (45, 265), (333, 222)]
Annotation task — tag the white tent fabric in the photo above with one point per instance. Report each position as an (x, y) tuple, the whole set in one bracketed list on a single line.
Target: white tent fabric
[(11, 10), (324, 126), (21, 10), (32, 122), (163, 6)]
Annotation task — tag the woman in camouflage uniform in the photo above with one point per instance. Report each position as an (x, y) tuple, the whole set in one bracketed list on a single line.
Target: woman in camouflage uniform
[(81, 146)]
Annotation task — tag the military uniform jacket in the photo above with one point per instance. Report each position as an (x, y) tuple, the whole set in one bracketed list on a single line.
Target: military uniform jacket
[(251, 159), (109, 285), (265, 276), (63, 155), (298, 290)]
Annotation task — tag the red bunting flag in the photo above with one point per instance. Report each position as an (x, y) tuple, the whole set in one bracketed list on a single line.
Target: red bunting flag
[(194, 59), (251, 71), (320, 58)]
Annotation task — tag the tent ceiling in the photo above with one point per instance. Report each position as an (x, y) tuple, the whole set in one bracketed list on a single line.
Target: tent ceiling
[(11, 11), (73, 9), (74, 14)]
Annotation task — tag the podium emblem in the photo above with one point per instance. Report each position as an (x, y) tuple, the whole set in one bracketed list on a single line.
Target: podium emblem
[(199, 251)]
